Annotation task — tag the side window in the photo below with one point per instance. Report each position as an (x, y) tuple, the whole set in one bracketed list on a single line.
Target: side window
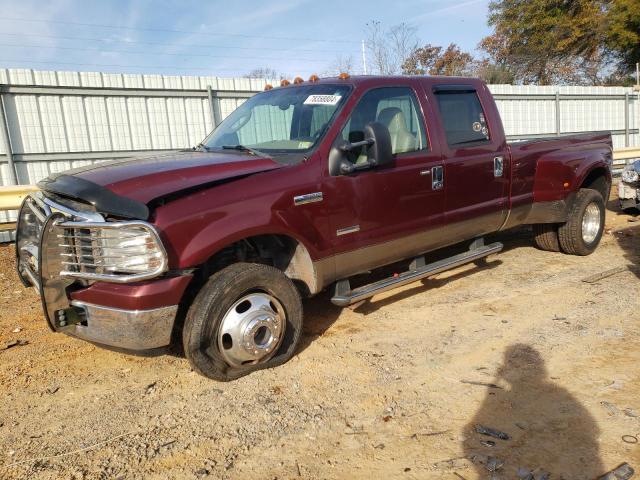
[(462, 117), (397, 109)]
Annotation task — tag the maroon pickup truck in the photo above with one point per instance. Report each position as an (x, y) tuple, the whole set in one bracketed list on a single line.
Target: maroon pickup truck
[(302, 187)]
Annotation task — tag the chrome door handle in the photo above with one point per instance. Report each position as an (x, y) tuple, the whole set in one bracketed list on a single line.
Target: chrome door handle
[(424, 173), (437, 177), (498, 166)]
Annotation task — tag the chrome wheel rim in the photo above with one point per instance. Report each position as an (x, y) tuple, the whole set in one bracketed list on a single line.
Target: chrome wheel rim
[(590, 223), (251, 330)]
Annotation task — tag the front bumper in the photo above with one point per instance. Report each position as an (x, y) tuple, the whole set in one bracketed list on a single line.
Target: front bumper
[(126, 329), (138, 316), (628, 194)]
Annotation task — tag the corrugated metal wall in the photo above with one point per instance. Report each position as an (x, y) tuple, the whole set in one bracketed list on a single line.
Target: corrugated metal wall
[(102, 117), (530, 110), (60, 120)]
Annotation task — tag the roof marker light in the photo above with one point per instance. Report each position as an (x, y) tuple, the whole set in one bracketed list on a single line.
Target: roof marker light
[(268, 86), (344, 76), (297, 81), (314, 78), (284, 82)]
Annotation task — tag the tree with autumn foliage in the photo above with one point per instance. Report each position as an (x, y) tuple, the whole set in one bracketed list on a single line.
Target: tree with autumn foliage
[(432, 60), (564, 41)]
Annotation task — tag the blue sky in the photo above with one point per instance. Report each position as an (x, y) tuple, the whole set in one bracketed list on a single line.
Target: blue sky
[(220, 38)]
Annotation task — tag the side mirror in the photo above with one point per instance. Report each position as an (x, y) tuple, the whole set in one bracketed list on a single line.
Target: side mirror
[(377, 144), (379, 151)]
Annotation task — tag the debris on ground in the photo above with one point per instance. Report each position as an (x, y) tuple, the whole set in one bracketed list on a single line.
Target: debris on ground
[(610, 407), (490, 463), (492, 432), (481, 384), (15, 343), (607, 273), (623, 472), (150, 388)]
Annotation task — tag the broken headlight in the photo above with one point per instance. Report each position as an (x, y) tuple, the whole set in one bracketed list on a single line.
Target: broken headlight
[(631, 172)]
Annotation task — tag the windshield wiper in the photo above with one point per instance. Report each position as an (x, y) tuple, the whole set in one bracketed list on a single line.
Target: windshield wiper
[(243, 148)]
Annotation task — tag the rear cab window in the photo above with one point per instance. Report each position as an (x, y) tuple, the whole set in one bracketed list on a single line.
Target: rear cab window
[(463, 119)]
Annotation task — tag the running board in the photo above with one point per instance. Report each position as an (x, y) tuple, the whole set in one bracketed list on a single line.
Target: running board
[(344, 296)]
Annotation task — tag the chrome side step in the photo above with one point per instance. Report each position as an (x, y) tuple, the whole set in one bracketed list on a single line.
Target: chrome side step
[(344, 296)]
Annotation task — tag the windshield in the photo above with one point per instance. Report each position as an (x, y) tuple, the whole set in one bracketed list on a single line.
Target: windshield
[(284, 123)]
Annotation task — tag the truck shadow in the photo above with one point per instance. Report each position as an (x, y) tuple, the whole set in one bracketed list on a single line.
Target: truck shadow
[(549, 431), (321, 314), (629, 241)]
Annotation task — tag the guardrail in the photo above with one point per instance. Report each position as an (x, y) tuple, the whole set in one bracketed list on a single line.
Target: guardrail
[(622, 156), (11, 197)]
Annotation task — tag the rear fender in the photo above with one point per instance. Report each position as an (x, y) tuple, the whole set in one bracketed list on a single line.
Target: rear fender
[(562, 172)]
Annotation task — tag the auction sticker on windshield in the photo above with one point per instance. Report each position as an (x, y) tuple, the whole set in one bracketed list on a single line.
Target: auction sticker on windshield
[(322, 100)]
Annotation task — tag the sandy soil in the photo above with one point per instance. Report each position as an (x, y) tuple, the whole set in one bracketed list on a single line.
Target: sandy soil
[(377, 392)]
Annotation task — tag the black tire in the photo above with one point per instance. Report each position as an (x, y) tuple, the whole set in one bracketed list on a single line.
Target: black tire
[(217, 296), (570, 233), (545, 236)]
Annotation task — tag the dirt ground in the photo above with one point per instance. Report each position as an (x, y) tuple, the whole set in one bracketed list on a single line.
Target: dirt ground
[(382, 391)]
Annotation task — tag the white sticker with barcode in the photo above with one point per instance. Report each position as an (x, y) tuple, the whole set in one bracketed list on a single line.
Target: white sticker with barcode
[(322, 100)]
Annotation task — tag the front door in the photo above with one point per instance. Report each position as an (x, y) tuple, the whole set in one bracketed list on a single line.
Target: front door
[(379, 215)]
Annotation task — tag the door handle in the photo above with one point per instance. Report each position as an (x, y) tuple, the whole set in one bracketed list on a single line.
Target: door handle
[(437, 178), (424, 173), (498, 166)]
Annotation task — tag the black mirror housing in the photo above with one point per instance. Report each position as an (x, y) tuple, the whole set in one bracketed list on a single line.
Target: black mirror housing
[(377, 142), (379, 152)]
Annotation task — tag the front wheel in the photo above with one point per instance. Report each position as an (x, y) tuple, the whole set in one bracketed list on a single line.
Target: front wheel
[(247, 317), (581, 233)]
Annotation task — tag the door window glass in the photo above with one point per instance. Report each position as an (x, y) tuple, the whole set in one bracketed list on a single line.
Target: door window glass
[(462, 117), (397, 109)]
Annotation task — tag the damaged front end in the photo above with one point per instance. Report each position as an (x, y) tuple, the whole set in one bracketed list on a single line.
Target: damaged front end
[(629, 186), (65, 246)]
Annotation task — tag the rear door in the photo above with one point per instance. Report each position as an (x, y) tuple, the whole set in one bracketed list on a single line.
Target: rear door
[(476, 162)]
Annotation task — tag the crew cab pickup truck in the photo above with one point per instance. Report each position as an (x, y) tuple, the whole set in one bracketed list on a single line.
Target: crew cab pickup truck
[(300, 189)]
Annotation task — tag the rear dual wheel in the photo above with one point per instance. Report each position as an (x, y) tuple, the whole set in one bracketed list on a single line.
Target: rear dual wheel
[(581, 233), (247, 317)]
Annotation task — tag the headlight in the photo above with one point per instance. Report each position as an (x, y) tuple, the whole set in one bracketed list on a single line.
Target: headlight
[(112, 251), (629, 176)]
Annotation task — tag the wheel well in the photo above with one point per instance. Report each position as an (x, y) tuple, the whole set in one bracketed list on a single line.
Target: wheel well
[(280, 251), (599, 181)]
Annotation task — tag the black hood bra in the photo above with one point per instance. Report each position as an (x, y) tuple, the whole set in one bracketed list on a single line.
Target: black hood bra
[(103, 199)]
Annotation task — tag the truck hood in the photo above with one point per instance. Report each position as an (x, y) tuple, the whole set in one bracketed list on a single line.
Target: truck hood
[(125, 187)]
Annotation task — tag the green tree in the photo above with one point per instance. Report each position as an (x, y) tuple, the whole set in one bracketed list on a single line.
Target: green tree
[(623, 33), (547, 41)]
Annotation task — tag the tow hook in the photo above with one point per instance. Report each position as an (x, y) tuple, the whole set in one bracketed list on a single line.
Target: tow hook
[(68, 318)]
